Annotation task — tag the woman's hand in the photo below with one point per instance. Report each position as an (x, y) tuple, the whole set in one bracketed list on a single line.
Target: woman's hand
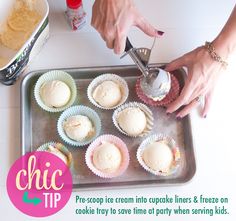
[(203, 73), (113, 19), (203, 70)]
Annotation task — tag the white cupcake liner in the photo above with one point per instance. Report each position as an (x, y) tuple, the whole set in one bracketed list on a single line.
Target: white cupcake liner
[(144, 108), (63, 149), (175, 150), (108, 77), (117, 142), (79, 110), (55, 75)]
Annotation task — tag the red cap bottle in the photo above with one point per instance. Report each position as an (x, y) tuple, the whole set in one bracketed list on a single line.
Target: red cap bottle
[(74, 4), (75, 14)]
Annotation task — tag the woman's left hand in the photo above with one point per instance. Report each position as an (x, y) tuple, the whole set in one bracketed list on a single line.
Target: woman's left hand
[(203, 73)]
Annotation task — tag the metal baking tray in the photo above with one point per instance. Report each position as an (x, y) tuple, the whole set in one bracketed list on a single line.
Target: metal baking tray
[(39, 127)]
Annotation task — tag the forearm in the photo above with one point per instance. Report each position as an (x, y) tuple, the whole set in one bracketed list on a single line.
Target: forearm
[(225, 42)]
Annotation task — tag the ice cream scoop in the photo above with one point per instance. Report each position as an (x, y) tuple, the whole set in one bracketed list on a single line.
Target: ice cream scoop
[(156, 82)]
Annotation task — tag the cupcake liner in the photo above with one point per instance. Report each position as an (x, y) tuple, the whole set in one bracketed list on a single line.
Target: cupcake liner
[(50, 76), (144, 108), (79, 110), (122, 147), (175, 150), (171, 96), (63, 149), (108, 77)]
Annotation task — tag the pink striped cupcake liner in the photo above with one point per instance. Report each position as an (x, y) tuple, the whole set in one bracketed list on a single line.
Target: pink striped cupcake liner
[(171, 96)]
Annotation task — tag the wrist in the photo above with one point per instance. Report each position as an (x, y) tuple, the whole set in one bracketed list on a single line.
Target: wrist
[(221, 48), (224, 46), (214, 55)]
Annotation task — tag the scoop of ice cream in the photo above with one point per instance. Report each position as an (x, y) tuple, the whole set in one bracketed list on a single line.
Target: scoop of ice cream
[(132, 120), (78, 127), (158, 156), (107, 94), (107, 157), (55, 93), (58, 153)]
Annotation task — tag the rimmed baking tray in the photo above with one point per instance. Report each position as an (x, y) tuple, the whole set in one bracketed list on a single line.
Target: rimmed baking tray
[(39, 127)]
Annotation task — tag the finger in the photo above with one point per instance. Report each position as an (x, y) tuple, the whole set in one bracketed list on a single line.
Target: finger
[(176, 64), (95, 24), (174, 105), (110, 43), (200, 91), (93, 18), (103, 37), (187, 109), (119, 44), (147, 28), (120, 37), (109, 38), (100, 29), (93, 21), (183, 99), (208, 100)]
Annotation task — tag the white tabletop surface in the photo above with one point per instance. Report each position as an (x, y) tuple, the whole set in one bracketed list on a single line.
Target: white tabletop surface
[(187, 24)]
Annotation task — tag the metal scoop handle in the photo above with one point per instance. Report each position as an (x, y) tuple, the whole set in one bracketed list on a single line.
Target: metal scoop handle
[(135, 57)]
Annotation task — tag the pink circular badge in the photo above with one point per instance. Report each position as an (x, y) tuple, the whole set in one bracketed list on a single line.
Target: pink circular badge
[(39, 184)]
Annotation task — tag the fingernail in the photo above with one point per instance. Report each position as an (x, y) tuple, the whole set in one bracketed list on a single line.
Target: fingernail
[(160, 32)]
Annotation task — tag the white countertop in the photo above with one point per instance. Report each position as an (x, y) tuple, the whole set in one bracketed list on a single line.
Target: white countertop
[(187, 24)]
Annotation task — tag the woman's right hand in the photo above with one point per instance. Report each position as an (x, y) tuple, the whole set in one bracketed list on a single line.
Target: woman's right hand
[(113, 19)]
